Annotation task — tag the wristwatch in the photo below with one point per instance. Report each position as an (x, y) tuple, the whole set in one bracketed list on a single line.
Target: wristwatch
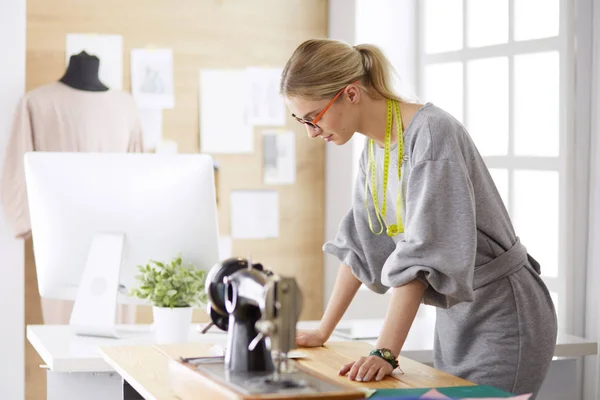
[(387, 355)]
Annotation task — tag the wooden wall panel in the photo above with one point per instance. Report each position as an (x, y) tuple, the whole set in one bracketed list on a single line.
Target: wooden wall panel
[(211, 34)]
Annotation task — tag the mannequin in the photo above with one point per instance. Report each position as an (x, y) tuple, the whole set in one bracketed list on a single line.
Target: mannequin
[(82, 73)]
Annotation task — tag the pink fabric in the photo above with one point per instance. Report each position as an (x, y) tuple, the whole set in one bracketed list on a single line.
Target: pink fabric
[(434, 394)]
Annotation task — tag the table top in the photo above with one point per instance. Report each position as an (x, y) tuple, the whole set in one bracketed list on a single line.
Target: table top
[(64, 351), (145, 368)]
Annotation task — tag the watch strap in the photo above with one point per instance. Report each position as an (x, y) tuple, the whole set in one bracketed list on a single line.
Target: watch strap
[(386, 355)]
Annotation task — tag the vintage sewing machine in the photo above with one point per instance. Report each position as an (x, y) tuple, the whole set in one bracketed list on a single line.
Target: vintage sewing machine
[(259, 310)]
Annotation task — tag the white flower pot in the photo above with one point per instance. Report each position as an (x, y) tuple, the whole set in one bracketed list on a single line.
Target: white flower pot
[(172, 325)]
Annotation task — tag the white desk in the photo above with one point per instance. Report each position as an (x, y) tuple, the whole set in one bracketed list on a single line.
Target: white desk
[(76, 369)]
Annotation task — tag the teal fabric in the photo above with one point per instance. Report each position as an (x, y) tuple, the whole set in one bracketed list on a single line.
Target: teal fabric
[(452, 392)]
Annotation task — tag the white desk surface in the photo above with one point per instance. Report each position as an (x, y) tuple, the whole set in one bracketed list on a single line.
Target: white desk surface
[(63, 351)]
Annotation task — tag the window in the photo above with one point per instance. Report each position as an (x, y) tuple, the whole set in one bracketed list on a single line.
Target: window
[(501, 67)]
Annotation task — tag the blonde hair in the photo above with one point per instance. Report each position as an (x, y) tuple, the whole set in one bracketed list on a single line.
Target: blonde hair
[(319, 68)]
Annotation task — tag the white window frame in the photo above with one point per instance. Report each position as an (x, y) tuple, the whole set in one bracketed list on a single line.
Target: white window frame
[(564, 163)]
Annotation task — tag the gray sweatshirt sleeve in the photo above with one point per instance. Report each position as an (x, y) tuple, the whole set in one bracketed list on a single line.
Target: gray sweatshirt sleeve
[(356, 246), (440, 234)]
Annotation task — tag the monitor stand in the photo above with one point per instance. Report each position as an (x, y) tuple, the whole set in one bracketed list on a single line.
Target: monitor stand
[(94, 311)]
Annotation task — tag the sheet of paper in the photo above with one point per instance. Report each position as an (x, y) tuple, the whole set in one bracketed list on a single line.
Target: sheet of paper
[(152, 78), (254, 214), (224, 125), (217, 350), (279, 158), (212, 329), (296, 354), (167, 146), (368, 392), (225, 247), (108, 48), (267, 107), (151, 121)]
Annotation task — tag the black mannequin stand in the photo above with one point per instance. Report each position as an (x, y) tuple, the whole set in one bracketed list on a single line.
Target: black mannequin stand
[(82, 73)]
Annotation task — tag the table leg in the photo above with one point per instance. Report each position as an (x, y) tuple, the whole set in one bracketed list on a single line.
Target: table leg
[(35, 379), (129, 393)]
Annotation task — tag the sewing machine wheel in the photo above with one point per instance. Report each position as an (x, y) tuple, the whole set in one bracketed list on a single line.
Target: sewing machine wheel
[(221, 321), (215, 288)]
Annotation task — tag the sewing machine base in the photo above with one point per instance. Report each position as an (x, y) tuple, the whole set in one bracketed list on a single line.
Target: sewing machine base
[(298, 383)]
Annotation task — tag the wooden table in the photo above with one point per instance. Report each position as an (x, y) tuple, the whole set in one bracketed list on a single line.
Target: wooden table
[(145, 368), (76, 369)]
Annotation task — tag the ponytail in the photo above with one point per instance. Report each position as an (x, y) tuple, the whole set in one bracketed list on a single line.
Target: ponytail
[(378, 71), (319, 68)]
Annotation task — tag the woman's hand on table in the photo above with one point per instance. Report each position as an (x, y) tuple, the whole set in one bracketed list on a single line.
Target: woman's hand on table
[(367, 369), (313, 338)]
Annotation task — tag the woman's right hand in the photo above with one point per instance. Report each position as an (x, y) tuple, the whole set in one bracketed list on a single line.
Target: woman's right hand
[(346, 286), (312, 338)]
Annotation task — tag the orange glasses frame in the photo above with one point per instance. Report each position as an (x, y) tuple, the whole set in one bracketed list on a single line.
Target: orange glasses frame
[(313, 123)]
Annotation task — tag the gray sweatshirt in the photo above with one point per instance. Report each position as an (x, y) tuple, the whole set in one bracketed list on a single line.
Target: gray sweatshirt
[(454, 218)]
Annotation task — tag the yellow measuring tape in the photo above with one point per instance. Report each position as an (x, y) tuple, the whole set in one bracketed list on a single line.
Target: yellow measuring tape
[(398, 227)]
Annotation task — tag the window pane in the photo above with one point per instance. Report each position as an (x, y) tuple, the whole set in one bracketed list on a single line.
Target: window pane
[(536, 216), (500, 177), (443, 86), (443, 25), (487, 109), (535, 19), (487, 22), (536, 104)]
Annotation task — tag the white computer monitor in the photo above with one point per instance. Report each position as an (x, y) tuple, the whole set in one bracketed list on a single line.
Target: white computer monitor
[(96, 216)]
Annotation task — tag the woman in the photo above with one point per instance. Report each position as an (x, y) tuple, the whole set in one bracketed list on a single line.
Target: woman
[(426, 223)]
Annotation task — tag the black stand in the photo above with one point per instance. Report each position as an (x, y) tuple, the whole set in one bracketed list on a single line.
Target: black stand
[(241, 332), (82, 73), (130, 393)]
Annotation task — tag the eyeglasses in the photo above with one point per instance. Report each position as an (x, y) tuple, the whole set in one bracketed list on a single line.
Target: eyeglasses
[(313, 123)]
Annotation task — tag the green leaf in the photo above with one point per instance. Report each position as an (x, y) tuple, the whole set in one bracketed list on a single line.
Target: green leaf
[(171, 284)]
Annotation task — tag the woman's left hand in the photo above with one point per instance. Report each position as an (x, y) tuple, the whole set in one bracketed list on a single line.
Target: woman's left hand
[(367, 368)]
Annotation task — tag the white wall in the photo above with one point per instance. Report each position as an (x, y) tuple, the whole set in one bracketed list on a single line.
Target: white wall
[(12, 86), (592, 308), (390, 24), (338, 160)]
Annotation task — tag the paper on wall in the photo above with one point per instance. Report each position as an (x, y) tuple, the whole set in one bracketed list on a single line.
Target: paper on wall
[(266, 104), (152, 78), (167, 146), (151, 121), (108, 48), (254, 214), (224, 125), (225, 247), (279, 158)]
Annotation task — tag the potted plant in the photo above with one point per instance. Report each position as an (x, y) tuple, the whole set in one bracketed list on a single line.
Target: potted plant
[(172, 289)]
